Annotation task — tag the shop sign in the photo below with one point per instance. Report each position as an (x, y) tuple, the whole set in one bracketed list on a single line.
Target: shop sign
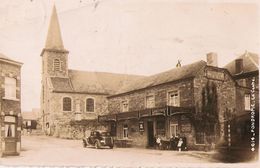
[(141, 126), (160, 111), (215, 75), (145, 113)]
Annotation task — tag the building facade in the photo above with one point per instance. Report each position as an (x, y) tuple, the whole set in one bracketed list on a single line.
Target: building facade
[(71, 100), (10, 106), (189, 101)]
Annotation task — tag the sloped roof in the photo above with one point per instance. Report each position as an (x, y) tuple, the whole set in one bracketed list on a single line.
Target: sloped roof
[(91, 82), (5, 58), (250, 63), (99, 82), (175, 74), (61, 84)]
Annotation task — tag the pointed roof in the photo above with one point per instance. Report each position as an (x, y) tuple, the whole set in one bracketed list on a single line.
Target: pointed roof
[(250, 63), (54, 39)]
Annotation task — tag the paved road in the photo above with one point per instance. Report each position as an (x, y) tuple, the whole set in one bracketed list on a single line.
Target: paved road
[(42, 150)]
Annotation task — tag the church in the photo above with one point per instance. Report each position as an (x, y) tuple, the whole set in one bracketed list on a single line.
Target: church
[(71, 100)]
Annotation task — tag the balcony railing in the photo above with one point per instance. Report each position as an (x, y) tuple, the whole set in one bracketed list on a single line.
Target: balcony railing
[(159, 111)]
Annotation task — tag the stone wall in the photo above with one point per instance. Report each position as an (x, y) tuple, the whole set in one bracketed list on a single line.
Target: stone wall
[(59, 120), (226, 92), (136, 100), (10, 106)]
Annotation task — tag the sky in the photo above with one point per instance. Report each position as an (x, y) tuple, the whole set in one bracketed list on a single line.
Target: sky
[(142, 37)]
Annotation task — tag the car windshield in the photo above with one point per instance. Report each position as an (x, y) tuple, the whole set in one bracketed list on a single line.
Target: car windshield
[(105, 133)]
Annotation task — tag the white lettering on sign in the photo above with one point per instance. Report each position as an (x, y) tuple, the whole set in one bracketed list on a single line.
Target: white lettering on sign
[(10, 119), (215, 75)]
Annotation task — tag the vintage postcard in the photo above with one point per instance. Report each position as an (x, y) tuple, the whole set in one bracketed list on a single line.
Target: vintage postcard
[(129, 83)]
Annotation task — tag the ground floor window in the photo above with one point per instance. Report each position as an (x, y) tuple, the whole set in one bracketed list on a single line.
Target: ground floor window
[(160, 127), (10, 126), (200, 136), (174, 130), (125, 131)]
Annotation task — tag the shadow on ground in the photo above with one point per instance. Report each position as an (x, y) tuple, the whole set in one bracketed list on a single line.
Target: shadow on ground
[(236, 156)]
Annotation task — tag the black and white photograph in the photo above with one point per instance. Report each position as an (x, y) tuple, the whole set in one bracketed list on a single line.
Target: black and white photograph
[(129, 83)]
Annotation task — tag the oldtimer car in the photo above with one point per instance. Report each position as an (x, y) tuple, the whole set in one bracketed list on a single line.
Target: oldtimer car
[(98, 139)]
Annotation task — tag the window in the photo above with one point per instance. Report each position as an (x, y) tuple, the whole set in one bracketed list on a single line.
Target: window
[(90, 105), (10, 88), (247, 102), (124, 106), (150, 102), (174, 130), (125, 131), (56, 65), (160, 127), (200, 137), (66, 104), (10, 126), (174, 98)]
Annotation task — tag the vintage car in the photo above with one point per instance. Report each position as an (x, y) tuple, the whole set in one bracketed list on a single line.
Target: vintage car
[(98, 139)]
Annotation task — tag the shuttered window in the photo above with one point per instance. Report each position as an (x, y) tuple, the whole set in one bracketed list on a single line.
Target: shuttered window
[(56, 65)]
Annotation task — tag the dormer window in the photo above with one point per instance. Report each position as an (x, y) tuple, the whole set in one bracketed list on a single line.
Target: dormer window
[(56, 65)]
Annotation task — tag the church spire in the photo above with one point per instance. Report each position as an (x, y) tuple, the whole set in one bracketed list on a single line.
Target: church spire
[(54, 39)]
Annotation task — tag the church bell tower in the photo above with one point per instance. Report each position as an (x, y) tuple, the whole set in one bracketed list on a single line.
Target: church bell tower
[(54, 56)]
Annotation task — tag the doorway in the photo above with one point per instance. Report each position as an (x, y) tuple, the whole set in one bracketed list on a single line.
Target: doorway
[(10, 135), (150, 134)]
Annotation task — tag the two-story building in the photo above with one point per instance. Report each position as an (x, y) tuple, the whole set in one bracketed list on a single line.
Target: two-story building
[(10, 106), (189, 101)]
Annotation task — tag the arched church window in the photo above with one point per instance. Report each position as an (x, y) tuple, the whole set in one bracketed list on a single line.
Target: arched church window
[(56, 64), (90, 105), (66, 104)]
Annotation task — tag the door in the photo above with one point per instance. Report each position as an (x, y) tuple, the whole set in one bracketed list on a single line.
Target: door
[(10, 136), (150, 133)]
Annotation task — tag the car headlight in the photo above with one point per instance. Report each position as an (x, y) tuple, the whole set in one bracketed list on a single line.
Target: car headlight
[(102, 141)]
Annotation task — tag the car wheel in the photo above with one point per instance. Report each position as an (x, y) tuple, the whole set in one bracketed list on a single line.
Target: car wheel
[(84, 144), (97, 145), (111, 147)]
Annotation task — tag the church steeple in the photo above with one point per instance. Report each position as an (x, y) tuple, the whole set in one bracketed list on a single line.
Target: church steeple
[(54, 56), (54, 39)]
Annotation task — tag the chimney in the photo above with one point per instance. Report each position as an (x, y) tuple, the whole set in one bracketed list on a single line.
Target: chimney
[(239, 66), (212, 59)]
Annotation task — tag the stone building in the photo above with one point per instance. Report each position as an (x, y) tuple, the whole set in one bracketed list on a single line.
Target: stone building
[(10, 106), (71, 100), (245, 71), (189, 101)]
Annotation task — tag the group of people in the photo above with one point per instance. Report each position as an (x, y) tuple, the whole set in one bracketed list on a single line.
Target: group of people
[(176, 143)]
